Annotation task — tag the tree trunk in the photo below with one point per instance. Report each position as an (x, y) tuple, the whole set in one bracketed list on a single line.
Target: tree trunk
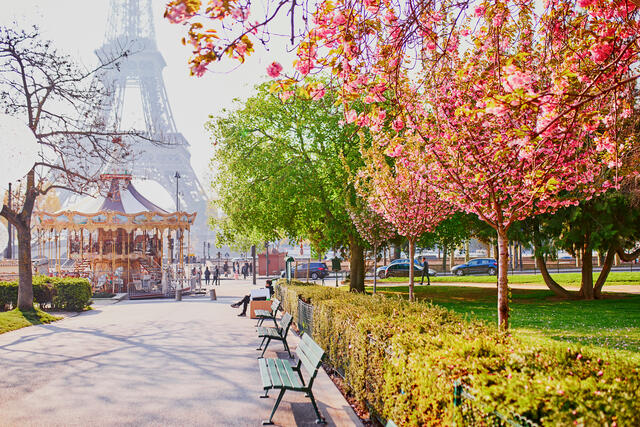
[(356, 265), (586, 287), (375, 267), (396, 251), (412, 248), (503, 285), (444, 259), (548, 280), (25, 284), (604, 273)]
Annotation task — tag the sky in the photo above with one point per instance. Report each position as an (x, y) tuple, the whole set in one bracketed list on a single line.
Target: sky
[(77, 28)]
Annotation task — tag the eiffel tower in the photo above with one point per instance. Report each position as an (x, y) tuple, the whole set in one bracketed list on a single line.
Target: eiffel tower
[(130, 23)]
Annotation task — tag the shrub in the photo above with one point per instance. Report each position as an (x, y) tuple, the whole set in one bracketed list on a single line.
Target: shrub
[(55, 292), (402, 358), (72, 294)]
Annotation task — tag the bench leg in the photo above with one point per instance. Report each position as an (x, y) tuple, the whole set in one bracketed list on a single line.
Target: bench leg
[(275, 322), (260, 346), (259, 322), (274, 408), (320, 419), (286, 347), (266, 393), (265, 346)]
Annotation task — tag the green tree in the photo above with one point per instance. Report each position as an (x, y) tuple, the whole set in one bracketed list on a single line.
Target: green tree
[(284, 170), (606, 225)]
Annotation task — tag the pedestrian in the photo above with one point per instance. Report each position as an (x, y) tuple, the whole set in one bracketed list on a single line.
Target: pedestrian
[(244, 272), (199, 277), (216, 276), (207, 276), (225, 269)]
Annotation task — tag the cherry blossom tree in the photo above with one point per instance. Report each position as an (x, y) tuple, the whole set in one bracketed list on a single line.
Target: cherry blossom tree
[(516, 103), (400, 190), (373, 228)]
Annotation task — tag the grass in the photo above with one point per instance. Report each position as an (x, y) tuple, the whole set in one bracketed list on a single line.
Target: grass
[(16, 319), (612, 324), (564, 279)]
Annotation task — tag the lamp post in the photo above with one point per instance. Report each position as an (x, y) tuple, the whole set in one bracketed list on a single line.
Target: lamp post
[(10, 245), (177, 177)]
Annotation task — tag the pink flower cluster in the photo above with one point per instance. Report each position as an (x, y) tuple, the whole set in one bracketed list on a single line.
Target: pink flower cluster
[(274, 69)]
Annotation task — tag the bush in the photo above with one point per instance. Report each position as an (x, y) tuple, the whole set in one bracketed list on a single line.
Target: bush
[(72, 294), (56, 292), (402, 358)]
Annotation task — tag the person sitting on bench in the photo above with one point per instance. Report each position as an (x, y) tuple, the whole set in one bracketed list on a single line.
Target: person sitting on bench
[(244, 302)]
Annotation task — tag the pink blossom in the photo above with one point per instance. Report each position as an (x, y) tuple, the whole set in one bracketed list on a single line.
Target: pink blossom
[(317, 92), (339, 18), (351, 116), (397, 124), (303, 66), (479, 11), (600, 52), (285, 95), (585, 3), (199, 70), (274, 69), (178, 14), (241, 48)]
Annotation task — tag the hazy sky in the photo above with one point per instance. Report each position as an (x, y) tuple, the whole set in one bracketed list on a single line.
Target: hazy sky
[(77, 28)]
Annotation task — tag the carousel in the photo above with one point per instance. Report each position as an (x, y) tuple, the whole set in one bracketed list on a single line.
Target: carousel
[(118, 241)]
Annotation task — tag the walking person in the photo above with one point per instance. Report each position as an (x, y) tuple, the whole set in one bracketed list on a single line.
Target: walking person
[(199, 278), (225, 269), (207, 276), (216, 276), (244, 271)]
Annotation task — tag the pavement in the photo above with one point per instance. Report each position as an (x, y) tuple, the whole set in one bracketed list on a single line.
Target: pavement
[(152, 362)]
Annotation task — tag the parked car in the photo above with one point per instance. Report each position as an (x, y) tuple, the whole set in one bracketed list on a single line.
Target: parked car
[(380, 272), (476, 266), (401, 269), (317, 270)]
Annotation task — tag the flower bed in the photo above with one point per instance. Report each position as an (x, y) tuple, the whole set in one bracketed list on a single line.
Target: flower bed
[(402, 359)]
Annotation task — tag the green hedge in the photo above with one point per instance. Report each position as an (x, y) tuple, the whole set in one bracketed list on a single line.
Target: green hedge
[(403, 358), (54, 292)]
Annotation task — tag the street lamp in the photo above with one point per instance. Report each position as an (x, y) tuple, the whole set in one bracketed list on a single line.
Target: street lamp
[(177, 177)]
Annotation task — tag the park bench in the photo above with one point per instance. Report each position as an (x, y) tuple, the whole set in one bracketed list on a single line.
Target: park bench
[(279, 333), (280, 374), (262, 315)]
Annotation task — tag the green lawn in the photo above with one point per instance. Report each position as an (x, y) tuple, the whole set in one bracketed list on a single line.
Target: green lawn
[(615, 278), (612, 323), (16, 319)]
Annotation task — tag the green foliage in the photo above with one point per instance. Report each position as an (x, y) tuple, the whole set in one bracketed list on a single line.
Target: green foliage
[(16, 319), (59, 293), (72, 294), (284, 170), (403, 358)]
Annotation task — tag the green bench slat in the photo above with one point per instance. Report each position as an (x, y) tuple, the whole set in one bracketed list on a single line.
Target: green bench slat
[(262, 313), (265, 331), (264, 373), (276, 382), (311, 347)]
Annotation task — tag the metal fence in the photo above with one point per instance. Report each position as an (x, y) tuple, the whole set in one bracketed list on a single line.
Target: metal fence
[(471, 412), (305, 317)]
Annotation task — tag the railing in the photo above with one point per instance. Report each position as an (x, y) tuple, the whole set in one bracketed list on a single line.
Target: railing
[(470, 412), (305, 317)]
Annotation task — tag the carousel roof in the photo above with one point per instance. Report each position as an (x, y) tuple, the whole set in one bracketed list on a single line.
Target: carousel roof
[(125, 198), (123, 207)]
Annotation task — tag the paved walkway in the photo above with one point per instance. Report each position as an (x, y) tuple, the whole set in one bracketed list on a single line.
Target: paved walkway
[(154, 362)]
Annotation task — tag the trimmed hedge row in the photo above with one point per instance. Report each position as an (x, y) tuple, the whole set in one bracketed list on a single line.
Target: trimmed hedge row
[(61, 293), (403, 358)]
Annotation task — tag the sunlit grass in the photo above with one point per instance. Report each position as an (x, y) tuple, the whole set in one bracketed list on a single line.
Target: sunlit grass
[(564, 279), (16, 319)]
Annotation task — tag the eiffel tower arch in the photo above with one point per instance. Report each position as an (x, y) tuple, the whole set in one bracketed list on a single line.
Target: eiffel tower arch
[(130, 23)]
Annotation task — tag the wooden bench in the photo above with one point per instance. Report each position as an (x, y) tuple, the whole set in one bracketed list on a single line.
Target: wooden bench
[(279, 374), (262, 315), (279, 333)]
